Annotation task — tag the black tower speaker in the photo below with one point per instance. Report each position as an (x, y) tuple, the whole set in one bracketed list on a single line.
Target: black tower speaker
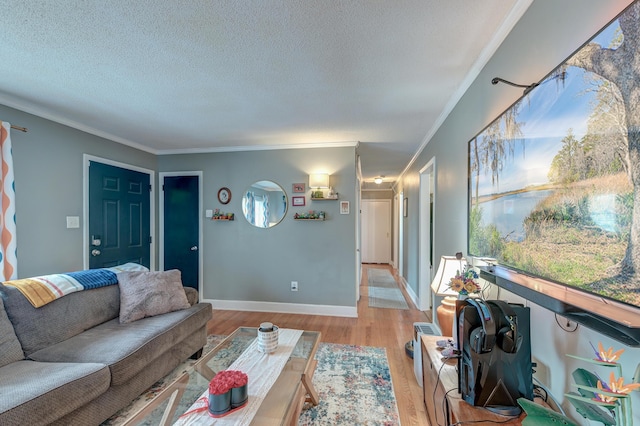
[(495, 367)]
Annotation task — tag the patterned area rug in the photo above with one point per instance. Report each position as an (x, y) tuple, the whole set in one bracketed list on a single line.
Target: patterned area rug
[(384, 291), (353, 384)]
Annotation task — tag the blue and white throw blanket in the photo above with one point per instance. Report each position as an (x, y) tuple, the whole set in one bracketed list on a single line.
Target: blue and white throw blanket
[(47, 288)]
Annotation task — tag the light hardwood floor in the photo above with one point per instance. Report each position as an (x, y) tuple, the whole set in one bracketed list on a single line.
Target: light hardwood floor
[(389, 328)]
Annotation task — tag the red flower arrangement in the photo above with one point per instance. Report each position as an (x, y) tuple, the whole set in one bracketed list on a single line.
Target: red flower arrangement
[(226, 380), (227, 393)]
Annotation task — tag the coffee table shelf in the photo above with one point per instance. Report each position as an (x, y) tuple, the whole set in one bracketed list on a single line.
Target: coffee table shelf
[(282, 404)]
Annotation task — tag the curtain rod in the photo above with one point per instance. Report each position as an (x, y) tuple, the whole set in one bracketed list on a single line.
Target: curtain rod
[(22, 129)]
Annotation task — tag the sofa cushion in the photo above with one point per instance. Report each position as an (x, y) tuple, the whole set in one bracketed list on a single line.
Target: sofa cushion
[(31, 392), (192, 295), (10, 349), (72, 314), (128, 348), (146, 294)]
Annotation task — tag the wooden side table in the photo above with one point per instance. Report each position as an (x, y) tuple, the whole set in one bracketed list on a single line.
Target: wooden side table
[(444, 404)]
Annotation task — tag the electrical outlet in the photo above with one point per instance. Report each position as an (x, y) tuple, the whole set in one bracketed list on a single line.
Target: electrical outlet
[(294, 285)]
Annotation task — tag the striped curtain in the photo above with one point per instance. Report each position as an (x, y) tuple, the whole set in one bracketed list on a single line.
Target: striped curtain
[(266, 214), (250, 208), (8, 249)]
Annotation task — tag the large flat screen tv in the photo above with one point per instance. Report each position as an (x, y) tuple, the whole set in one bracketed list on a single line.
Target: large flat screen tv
[(554, 184)]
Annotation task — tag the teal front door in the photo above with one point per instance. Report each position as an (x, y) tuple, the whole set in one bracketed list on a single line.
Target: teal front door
[(119, 216), (182, 226)]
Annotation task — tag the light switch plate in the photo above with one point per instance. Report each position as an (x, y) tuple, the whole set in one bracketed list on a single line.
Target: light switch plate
[(73, 222), (208, 213)]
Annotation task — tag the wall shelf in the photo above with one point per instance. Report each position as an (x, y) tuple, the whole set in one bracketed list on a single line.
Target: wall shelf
[(309, 220), (310, 216), (609, 317), (222, 217), (324, 198)]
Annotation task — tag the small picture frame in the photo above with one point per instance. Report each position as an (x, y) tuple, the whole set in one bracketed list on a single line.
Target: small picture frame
[(299, 187), (344, 207), (297, 201), (405, 207)]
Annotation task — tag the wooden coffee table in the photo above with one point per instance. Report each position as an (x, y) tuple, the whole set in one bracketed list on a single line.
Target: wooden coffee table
[(281, 406)]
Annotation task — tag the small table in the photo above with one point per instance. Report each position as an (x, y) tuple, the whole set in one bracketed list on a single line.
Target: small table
[(283, 403)]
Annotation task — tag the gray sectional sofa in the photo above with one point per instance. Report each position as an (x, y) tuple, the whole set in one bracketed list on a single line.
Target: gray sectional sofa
[(72, 362)]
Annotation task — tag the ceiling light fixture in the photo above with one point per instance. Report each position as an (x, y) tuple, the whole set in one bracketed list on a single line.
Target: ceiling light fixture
[(378, 180)]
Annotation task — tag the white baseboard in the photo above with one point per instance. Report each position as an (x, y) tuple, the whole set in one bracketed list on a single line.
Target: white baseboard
[(288, 308), (412, 294)]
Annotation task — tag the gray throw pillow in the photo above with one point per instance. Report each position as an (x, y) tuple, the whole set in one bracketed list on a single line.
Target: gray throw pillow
[(145, 294)]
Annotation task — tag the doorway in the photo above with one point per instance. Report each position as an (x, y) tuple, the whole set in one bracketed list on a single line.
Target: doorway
[(118, 214), (181, 224), (400, 235), (425, 249), (358, 218), (376, 231)]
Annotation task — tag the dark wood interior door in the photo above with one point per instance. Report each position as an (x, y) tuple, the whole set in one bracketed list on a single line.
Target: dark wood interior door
[(119, 216), (182, 227)]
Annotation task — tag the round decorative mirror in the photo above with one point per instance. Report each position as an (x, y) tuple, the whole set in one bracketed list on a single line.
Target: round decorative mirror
[(264, 204)]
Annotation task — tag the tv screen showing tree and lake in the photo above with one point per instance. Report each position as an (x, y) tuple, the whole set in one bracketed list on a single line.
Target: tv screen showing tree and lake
[(554, 182)]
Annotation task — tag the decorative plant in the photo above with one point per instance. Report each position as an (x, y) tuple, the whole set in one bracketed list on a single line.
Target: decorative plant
[(539, 415), (226, 380), (465, 282), (607, 403), (312, 214), (217, 215)]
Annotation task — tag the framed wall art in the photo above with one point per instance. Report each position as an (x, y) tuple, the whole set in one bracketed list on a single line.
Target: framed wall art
[(552, 180)]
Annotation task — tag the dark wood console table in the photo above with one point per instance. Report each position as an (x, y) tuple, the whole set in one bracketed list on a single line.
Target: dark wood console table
[(440, 386)]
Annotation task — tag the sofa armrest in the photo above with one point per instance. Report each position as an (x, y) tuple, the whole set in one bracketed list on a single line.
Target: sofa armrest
[(192, 295)]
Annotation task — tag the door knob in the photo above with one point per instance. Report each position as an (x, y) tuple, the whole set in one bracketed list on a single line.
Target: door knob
[(194, 248), (95, 252)]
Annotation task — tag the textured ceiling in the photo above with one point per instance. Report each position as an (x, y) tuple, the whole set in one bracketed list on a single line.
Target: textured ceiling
[(202, 76)]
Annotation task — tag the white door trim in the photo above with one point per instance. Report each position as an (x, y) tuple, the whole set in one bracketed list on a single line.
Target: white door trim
[(401, 234), (86, 158), (358, 219), (396, 227), (425, 272)]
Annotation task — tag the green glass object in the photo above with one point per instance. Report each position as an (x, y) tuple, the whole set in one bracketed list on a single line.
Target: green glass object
[(538, 415)]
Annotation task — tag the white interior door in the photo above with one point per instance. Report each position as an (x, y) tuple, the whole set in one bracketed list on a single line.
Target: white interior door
[(376, 231)]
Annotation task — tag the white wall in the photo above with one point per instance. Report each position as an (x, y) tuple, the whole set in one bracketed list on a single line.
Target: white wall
[(549, 32)]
